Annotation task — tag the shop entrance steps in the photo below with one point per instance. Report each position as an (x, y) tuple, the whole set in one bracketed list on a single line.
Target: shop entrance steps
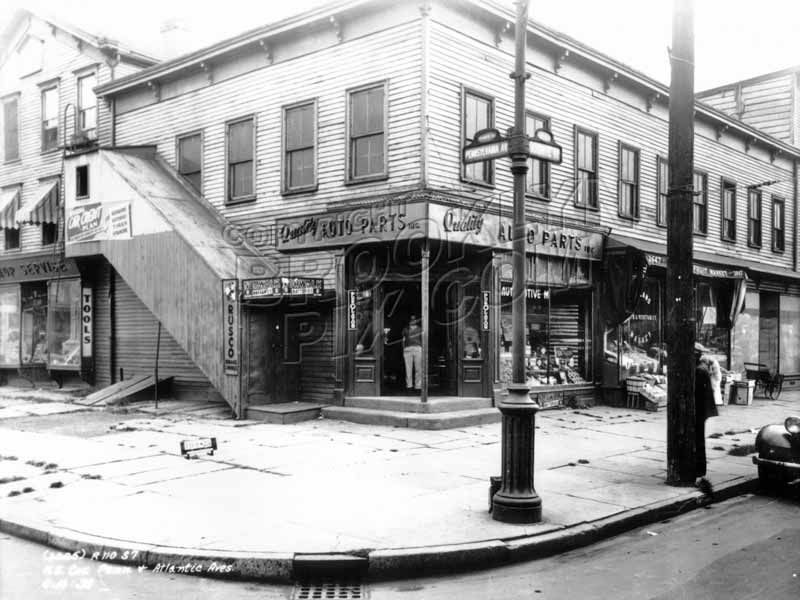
[(409, 411), (284, 413), (125, 390)]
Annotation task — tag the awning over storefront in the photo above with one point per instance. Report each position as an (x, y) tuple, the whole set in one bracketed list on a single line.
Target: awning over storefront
[(46, 208), (9, 204)]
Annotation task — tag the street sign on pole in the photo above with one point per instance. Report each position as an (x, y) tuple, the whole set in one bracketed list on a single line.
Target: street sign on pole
[(488, 144)]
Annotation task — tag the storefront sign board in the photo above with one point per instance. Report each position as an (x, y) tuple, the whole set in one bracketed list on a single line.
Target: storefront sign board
[(87, 322), (37, 268), (276, 287), (531, 292), (96, 221), (352, 310), (486, 298), (658, 260), (230, 318)]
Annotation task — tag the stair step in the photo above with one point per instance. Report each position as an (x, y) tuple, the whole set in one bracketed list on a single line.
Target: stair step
[(395, 418), (415, 405), (284, 413)]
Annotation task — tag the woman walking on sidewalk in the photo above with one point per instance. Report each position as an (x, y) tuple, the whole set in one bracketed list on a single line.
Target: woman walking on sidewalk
[(704, 407)]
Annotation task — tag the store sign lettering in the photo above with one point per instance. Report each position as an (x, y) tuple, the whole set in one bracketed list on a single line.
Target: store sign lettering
[(93, 222), (87, 325), (471, 222), (557, 242), (276, 287), (352, 304), (531, 292), (36, 269), (485, 321), (230, 316)]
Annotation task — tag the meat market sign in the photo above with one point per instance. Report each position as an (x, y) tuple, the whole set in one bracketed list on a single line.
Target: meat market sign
[(277, 287), (433, 221)]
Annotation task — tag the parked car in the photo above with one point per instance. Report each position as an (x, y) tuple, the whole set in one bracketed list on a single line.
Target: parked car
[(778, 455)]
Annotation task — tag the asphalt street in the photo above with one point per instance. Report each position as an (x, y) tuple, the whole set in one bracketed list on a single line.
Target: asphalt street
[(746, 548)]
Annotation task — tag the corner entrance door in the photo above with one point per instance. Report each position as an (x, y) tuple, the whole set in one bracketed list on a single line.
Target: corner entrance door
[(282, 357), (399, 302)]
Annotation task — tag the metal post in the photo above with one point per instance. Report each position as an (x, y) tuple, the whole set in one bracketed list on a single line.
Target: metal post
[(517, 500), (680, 324), (425, 284)]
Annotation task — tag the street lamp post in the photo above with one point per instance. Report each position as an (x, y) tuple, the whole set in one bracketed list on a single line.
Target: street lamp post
[(517, 500)]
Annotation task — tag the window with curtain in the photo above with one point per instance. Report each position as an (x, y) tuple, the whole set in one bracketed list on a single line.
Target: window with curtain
[(49, 118), (478, 114), (700, 203), (628, 182), (778, 228), (538, 178), (728, 211), (367, 132), (190, 160), (299, 147), (585, 168), (241, 160), (754, 217)]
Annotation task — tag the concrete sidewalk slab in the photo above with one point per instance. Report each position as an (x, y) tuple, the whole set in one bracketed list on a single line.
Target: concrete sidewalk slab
[(403, 500)]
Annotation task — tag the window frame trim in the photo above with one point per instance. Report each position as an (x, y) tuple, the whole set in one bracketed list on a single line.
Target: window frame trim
[(637, 185), (15, 97), (349, 178), (227, 198), (182, 136), (53, 84), (778, 199), (286, 189), (705, 205), (659, 159), (723, 182), (83, 74), (760, 243), (577, 130), (465, 91), (528, 194)]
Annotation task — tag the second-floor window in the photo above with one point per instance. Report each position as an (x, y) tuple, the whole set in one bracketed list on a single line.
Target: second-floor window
[(754, 217), (49, 118), (11, 129), (190, 160), (11, 239), (49, 233), (585, 168), (367, 133), (778, 222), (700, 202), (478, 113), (538, 170), (299, 146), (663, 191), (241, 160), (728, 211), (628, 182), (87, 106)]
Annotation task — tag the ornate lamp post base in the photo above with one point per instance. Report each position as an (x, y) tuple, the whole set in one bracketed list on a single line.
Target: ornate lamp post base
[(517, 500)]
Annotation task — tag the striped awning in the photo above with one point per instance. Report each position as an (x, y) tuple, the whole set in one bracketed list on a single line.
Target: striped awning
[(9, 203), (46, 208)]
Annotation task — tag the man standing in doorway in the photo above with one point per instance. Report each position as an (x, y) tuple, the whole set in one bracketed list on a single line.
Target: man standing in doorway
[(412, 353)]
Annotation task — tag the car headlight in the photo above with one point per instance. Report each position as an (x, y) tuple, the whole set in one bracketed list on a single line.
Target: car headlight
[(792, 425)]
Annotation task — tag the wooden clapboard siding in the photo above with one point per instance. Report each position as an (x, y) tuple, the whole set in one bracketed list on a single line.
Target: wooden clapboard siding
[(391, 55), (766, 104), (458, 60), (316, 361), (63, 55), (136, 335)]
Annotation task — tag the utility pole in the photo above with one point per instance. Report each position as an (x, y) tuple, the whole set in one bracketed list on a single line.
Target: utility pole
[(517, 500), (680, 300)]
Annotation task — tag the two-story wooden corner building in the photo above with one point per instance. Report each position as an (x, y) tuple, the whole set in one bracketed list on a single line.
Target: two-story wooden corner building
[(286, 200), (48, 71)]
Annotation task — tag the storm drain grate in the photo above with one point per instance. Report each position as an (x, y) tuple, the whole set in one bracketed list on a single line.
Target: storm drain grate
[(326, 590)]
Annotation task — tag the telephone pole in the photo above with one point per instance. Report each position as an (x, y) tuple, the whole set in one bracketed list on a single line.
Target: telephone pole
[(517, 500), (680, 295)]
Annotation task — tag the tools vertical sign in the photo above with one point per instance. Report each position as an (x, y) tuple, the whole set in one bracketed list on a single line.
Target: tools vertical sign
[(230, 320), (87, 333)]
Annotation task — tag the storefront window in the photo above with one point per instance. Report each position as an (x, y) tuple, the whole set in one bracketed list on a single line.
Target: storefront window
[(642, 349), (711, 329), (556, 347), (9, 325), (64, 302), (745, 333), (365, 326), (34, 322), (790, 330)]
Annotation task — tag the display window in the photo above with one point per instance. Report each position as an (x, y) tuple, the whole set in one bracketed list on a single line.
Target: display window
[(33, 303), (790, 330), (639, 347), (712, 308), (64, 322), (362, 304), (9, 325), (556, 336)]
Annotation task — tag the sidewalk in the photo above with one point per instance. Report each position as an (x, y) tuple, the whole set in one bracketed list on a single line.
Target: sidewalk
[(403, 501)]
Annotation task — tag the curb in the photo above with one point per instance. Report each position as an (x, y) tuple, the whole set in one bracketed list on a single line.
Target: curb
[(385, 564)]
